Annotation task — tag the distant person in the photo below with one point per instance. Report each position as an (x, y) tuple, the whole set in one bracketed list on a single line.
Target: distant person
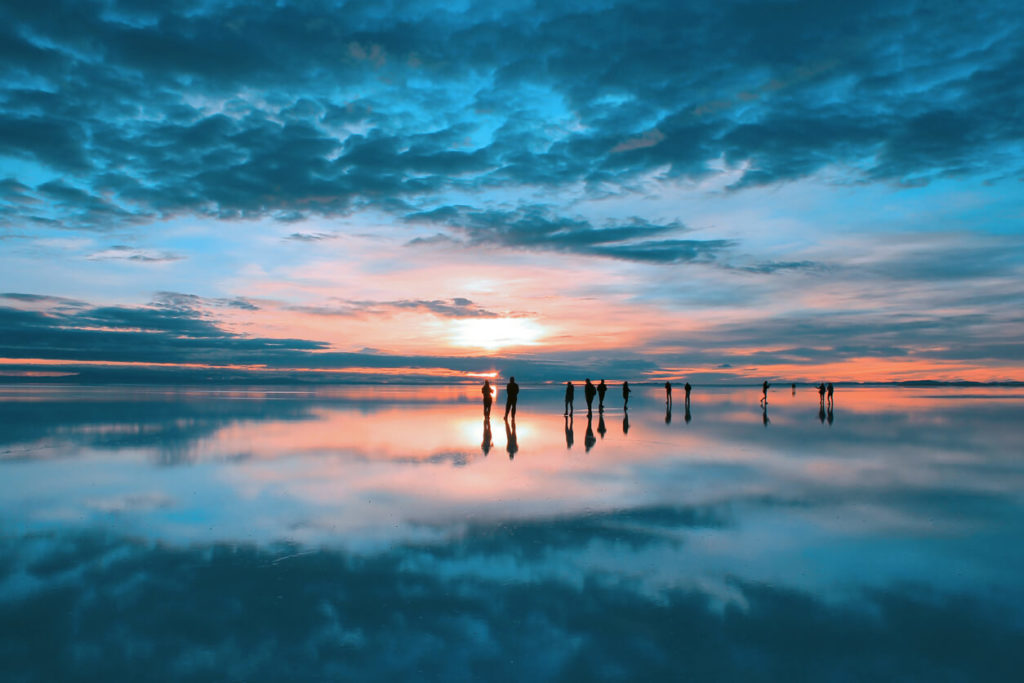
[(686, 393), (588, 438), (764, 391), (488, 392), (830, 390), (589, 391), (570, 392), (486, 444), (625, 394), (668, 393), (511, 443), (794, 389), (568, 431), (600, 424), (625, 422), (821, 393), (602, 389), (511, 398)]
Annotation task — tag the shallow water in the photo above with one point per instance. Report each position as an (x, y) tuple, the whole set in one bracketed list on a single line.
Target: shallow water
[(369, 533)]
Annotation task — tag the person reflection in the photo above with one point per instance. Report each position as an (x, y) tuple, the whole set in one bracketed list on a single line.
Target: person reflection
[(821, 412), (625, 422), (570, 392), (625, 395), (764, 414), (668, 413), (602, 389), (488, 392), (588, 438), (588, 393), (830, 416), (511, 398), (486, 444), (686, 412), (511, 444), (568, 432), (600, 424)]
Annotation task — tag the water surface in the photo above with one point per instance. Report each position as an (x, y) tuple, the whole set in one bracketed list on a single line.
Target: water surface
[(379, 533)]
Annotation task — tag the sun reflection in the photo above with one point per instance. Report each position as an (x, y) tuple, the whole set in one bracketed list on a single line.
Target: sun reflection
[(495, 333)]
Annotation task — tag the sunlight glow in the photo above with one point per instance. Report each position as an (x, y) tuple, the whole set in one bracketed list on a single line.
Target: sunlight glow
[(495, 333)]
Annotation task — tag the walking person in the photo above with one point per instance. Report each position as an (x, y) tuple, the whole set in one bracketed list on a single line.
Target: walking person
[(570, 392), (589, 390), (488, 392), (511, 397), (764, 391)]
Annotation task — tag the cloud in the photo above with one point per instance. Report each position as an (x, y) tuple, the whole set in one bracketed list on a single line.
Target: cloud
[(120, 252), (536, 228), (278, 110)]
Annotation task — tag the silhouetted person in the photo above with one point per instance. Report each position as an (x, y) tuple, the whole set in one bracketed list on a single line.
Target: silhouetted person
[(589, 391), (686, 393), (764, 391), (511, 397), (625, 422), (668, 393), (486, 444), (570, 392), (602, 389), (821, 393), (821, 412), (830, 390), (488, 393), (686, 412), (568, 431), (794, 389), (625, 394), (600, 424), (511, 445), (588, 438), (764, 413)]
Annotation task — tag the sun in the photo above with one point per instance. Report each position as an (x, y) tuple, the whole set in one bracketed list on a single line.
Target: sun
[(495, 333)]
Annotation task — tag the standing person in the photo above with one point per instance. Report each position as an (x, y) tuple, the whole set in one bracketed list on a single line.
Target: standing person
[(625, 395), (821, 393), (668, 394), (588, 393), (570, 392), (830, 389), (602, 389), (686, 390), (764, 391), (511, 397), (488, 393), (794, 388)]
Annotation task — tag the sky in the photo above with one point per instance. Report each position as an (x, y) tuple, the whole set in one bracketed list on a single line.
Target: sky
[(421, 191)]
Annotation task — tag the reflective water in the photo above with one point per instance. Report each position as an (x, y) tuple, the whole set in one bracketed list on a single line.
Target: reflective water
[(382, 533)]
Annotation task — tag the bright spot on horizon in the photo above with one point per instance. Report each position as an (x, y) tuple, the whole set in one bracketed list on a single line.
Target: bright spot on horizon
[(495, 333)]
